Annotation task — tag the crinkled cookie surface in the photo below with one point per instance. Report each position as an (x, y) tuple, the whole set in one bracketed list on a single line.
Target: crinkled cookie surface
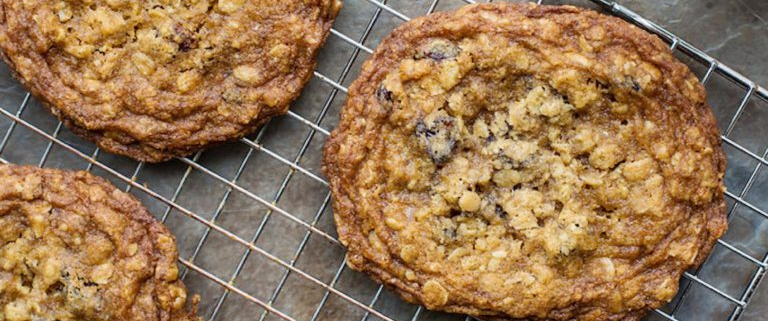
[(514, 161), (161, 78), (73, 247)]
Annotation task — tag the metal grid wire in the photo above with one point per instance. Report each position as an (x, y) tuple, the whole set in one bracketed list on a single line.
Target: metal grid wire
[(369, 307)]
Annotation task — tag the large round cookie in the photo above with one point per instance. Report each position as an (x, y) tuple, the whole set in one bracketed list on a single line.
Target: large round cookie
[(514, 161), (156, 79), (73, 247)]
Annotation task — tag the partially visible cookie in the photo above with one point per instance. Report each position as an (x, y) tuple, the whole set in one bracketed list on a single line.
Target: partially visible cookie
[(73, 247), (156, 79), (523, 162)]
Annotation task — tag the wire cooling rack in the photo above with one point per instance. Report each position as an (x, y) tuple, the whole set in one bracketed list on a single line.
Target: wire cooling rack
[(252, 218)]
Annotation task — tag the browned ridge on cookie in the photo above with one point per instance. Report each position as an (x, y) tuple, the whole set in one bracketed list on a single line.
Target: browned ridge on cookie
[(514, 161), (74, 247), (155, 79)]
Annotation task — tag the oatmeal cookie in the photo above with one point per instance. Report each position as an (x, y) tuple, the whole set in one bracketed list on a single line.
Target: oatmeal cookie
[(155, 79), (73, 247), (514, 161)]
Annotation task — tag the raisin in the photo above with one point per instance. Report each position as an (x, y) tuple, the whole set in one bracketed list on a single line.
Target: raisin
[(439, 135), (440, 50), (500, 212), (635, 85), (383, 94), (435, 55), (186, 44), (183, 38)]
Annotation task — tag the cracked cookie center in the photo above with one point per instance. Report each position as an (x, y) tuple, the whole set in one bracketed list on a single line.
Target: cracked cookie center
[(509, 176), (496, 170)]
